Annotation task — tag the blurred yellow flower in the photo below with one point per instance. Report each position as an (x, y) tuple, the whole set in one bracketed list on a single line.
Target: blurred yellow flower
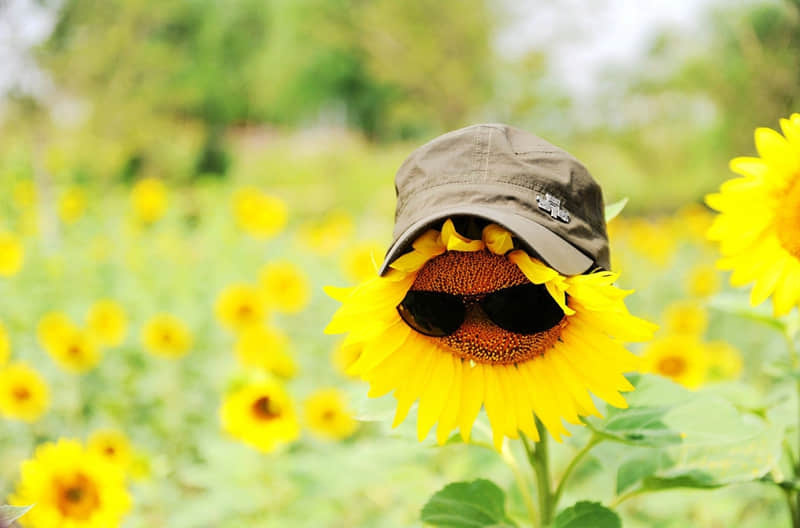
[(686, 317), (112, 445), (239, 306), (149, 200), (52, 329), (327, 415), (259, 214), (5, 345), (107, 322), (328, 236), (344, 355), (724, 360), (74, 350), (261, 415), (682, 358), (165, 335), (361, 261), (71, 487), (703, 280), (694, 219), (285, 286), (265, 348), (71, 205), (654, 240), (12, 254), (23, 393), (24, 194)]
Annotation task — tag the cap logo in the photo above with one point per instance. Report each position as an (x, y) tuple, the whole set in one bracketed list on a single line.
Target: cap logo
[(552, 205)]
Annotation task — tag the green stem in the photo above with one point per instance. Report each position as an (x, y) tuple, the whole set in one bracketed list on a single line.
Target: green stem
[(593, 441), (793, 507), (792, 497), (511, 461), (539, 460), (622, 498)]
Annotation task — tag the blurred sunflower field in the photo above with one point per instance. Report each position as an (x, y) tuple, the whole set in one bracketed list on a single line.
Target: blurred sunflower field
[(180, 183)]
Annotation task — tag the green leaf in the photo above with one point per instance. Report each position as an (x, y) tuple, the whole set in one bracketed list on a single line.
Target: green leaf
[(613, 210), (639, 467), (738, 304), (9, 514), (586, 514), (476, 504)]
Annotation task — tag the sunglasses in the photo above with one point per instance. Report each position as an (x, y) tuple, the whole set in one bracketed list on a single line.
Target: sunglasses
[(523, 309)]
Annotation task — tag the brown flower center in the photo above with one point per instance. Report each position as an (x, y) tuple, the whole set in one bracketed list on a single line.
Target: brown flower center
[(478, 338), (672, 366), (21, 393), (265, 409), (787, 219), (77, 496), (245, 312)]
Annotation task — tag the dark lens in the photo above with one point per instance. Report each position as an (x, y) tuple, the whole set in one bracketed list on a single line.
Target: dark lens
[(523, 309), (432, 313)]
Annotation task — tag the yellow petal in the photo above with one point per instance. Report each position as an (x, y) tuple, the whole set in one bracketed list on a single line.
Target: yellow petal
[(449, 418), (436, 392), (473, 392), (455, 242), (497, 239)]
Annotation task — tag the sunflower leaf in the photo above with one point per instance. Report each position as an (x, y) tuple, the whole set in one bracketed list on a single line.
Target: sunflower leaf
[(476, 504), (739, 304), (613, 210), (9, 514), (585, 514)]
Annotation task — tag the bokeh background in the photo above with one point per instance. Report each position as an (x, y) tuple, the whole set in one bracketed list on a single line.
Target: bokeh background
[(276, 127)]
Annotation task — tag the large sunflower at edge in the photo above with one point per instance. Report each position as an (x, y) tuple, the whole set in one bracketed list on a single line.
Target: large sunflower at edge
[(758, 227), (549, 374)]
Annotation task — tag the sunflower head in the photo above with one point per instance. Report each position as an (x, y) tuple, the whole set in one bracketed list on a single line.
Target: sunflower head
[(679, 357), (23, 393), (5, 345), (261, 415), (75, 349), (12, 254), (462, 323), (265, 348), (328, 416), (165, 335), (112, 445), (259, 214), (149, 200), (240, 306), (285, 286), (107, 322)]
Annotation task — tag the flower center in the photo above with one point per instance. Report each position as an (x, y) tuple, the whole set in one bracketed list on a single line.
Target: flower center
[(265, 409), (77, 497), (672, 366), (245, 312), (787, 219), (21, 393), (74, 351), (328, 415), (478, 338)]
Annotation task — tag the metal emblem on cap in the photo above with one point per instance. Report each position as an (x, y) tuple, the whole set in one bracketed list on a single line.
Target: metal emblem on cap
[(552, 205)]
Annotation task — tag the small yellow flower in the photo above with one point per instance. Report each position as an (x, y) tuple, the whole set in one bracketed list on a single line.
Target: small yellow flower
[(361, 262), (265, 348), (239, 306), (695, 219), (682, 358), (344, 356), (75, 350), (5, 345), (53, 328), (261, 415), (107, 322), (23, 393), (24, 194), (654, 240), (12, 254), (703, 280), (330, 235), (327, 415), (112, 445), (165, 335), (724, 360), (149, 200), (285, 286), (686, 317), (71, 205), (71, 488), (259, 214)]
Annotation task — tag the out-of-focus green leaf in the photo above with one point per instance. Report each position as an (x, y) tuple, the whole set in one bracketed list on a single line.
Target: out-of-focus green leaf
[(637, 468), (9, 514), (586, 514), (476, 504), (739, 304), (613, 210)]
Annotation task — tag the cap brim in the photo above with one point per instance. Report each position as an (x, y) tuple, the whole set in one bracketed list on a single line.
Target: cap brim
[(554, 250)]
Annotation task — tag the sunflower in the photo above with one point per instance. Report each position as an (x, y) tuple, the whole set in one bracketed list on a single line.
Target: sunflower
[(71, 205), (75, 350), (12, 254), (328, 416), (680, 357), (149, 200), (52, 329), (265, 348), (259, 214), (360, 262), (343, 357), (724, 360), (107, 322), (758, 227), (5, 345), (23, 393), (261, 415), (686, 317), (571, 346), (329, 235), (165, 335), (285, 286), (112, 445), (71, 488), (239, 306), (703, 280)]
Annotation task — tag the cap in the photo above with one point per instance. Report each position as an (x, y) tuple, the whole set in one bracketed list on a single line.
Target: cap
[(544, 196)]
